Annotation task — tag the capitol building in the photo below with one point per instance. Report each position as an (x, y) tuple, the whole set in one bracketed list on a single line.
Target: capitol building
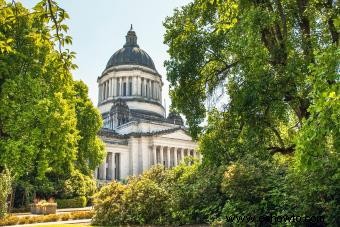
[(136, 132)]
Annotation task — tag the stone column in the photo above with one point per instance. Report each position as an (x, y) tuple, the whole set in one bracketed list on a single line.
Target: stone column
[(110, 84), (182, 154), (113, 174), (99, 88), (102, 171), (175, 156), (114, 85), (127, 86), (160, 92), (154, 153), (134, 85), (168, 156), (161, 155), (149, 92)]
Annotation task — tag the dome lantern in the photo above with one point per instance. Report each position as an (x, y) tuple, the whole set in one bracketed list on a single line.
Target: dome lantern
[(131, 38), (131, 54)]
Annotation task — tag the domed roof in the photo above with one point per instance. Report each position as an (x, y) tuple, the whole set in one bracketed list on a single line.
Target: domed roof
[(131, 54), (175, 118)]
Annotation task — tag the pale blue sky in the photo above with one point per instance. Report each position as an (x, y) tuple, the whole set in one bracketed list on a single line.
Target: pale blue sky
[(99, 27)]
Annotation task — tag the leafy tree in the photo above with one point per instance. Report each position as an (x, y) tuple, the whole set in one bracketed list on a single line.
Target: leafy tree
[(260, 52), (48, 126), (273, 68)]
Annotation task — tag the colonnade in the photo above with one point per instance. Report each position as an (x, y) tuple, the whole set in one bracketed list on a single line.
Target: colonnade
[(110, 168), (171, 156), (130, 86)]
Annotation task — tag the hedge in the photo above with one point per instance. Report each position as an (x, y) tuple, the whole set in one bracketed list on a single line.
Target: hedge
[(15, 220), (72, 203)]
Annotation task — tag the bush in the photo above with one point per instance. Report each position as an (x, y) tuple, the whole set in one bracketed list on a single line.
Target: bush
[(181, 195), (78, 185), (13, 220), (142, 200), (72, 203), (9, 220)]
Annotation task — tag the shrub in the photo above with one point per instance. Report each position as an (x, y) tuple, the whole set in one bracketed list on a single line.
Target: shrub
[(78, 185), (109, 205), (146, 202), (9, 220), (65, 217), (81, 215), (13, 220), (72, 203)]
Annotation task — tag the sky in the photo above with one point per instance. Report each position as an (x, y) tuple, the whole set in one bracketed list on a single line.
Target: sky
[(98, 29)]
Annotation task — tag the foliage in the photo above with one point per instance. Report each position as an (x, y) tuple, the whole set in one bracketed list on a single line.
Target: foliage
[(109, 205), (75, 202), (79, 185), (182, 195), (48, 126), (5, 189), (265, 77), (14, 220)]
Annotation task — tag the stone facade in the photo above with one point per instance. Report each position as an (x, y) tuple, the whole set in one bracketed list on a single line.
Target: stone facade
[(136, 132)]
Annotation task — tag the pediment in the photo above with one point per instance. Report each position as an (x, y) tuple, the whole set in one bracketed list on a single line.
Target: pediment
[(179, 134)]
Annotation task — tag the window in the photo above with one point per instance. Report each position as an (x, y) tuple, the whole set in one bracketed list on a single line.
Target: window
[(147, 88), (124, 89), (130, 87)]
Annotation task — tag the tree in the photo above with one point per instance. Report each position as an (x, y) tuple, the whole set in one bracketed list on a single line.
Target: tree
[(44, 135), (273, 68), (260, 51)]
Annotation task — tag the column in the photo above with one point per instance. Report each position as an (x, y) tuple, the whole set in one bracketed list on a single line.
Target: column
[(103, 92), (121, 86), (168, 157), (149, 92), (127, 86), (138, 85), (110, 84), (114, 85), (160, 92), (99, 89), (154, 153), (102, 171), (134, 85), (161, 155), (175, 156), (182, 154)]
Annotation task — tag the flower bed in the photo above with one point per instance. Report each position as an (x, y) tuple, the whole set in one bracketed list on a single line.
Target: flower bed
[(14, 220)]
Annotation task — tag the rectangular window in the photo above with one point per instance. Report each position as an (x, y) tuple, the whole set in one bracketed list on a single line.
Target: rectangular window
[(124, 89), (117, 166), (147, 88)]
